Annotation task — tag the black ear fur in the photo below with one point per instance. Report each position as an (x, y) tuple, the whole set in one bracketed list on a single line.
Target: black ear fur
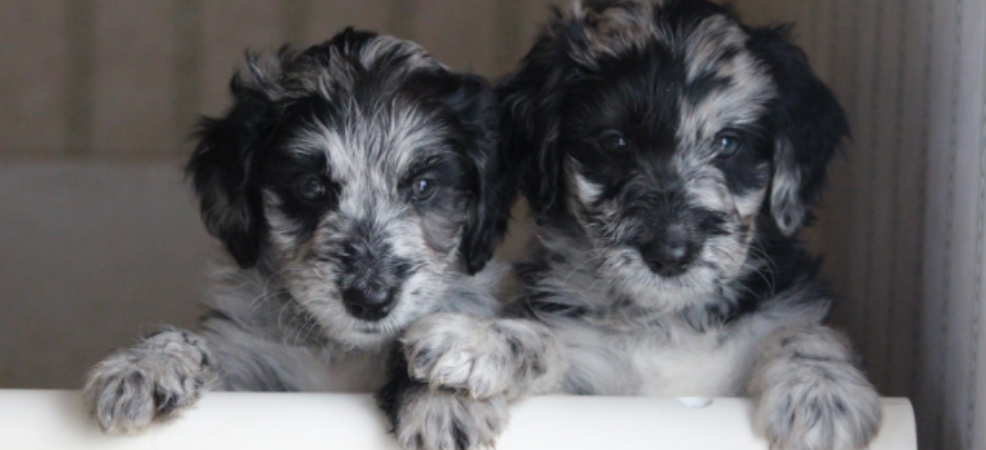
[(476, 105), (531, 98), (473, 107), (530, 103), (221, 167), (809, 126)]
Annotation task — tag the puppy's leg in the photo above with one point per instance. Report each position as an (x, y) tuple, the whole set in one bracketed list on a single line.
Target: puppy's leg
[(151, 381), (483, 357), (810, 394), (423, 418)]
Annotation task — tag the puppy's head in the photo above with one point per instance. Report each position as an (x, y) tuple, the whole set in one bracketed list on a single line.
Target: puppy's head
[(672, 136), (360, 175)]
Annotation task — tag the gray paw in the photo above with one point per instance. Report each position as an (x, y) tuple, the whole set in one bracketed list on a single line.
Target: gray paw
[(150, 382), (459, 352), (835, 410), (441, 420)]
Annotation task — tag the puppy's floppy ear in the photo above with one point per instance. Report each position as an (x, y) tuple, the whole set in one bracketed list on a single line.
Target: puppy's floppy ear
[(486, 224), (473, 107), (529, 121), (530, 114), (809, 126), (531, 98), (221, 167)]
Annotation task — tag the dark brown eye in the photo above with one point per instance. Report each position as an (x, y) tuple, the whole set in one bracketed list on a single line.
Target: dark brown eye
[(312, 188), (727, 144), (422, 189), (612, 141)]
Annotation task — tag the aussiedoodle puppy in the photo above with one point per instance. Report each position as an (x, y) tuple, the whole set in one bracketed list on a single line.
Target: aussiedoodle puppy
[(357, 186), (672, 154)]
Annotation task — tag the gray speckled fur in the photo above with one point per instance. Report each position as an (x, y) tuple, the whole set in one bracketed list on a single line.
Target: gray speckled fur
[(618, 327), (275, 320)]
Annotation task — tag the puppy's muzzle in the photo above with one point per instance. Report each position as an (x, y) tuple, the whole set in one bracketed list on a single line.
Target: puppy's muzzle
[(675, 242), (371, 276), (370, 304), (371, 293), (669, 257)]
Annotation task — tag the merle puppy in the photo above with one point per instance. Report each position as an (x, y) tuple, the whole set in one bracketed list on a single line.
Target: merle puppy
[(672, 154), (356, 185)]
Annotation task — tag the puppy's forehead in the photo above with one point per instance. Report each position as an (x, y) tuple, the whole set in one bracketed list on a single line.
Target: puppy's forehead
[(698, 77), (726, 86), (337, 69), (388, 141), (359, 115), (407, 55)]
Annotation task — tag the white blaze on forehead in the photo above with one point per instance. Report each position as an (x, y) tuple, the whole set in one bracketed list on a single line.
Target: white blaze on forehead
[(742, 101), (372, 153), (711, 39)]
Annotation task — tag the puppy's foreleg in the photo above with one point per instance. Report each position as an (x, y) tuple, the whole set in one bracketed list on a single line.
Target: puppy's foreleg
[(163, 374), (810, 394), (484, 357), (423, 418)]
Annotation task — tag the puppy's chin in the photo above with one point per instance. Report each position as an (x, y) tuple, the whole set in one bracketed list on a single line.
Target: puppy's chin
[(353, 333), (371, 337), (635, 279)]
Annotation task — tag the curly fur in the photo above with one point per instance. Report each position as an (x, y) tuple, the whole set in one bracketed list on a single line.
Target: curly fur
[(358, 187), (670, 155)]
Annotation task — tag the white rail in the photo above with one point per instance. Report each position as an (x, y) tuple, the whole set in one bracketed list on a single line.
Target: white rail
[(53, 420)]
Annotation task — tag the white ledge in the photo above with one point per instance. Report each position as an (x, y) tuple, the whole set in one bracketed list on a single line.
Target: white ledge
[(53, 420)]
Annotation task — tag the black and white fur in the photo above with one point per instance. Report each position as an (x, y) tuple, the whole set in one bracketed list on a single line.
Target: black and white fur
[(672, 153), (357, 186)]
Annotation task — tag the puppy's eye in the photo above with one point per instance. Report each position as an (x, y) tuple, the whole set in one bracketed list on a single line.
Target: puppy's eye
[(727, 145), (613, 141), (312, 188), (422, 189)]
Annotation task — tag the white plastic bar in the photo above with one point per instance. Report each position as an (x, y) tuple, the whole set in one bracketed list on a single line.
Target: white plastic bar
[(53, 420)]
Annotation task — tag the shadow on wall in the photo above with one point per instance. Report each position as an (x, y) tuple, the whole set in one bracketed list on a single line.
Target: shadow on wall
[(127, 79), (92, 256)]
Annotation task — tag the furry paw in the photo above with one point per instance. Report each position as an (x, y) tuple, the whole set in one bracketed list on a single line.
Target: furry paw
[(134, 387), (831, 411), (459, 352), (442, 420)]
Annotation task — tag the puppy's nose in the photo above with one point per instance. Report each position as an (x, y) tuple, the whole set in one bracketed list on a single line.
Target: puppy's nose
[(668, 258), (371, 305)]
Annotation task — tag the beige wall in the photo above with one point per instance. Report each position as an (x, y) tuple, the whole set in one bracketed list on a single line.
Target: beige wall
[(902, 225), (99, 239), (91, 257), (126, 79)]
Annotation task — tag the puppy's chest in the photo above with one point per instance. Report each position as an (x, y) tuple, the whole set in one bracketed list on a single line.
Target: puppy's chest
[(364, 374), (347, 372), (691, 365)]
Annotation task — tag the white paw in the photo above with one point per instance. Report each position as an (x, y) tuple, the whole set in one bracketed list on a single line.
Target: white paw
[(442, 420), (459, 352), (134, 387), (837, 411)]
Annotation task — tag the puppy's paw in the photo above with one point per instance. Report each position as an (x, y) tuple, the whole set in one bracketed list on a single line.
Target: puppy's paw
[(459, 352), (820, 412), (134, 387), (443, 420)]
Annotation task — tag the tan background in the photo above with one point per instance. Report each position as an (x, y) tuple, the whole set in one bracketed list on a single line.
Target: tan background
[(99, 240)]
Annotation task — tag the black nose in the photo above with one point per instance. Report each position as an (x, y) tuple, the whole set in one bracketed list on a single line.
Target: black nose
[(668, 258), (370, 305)]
